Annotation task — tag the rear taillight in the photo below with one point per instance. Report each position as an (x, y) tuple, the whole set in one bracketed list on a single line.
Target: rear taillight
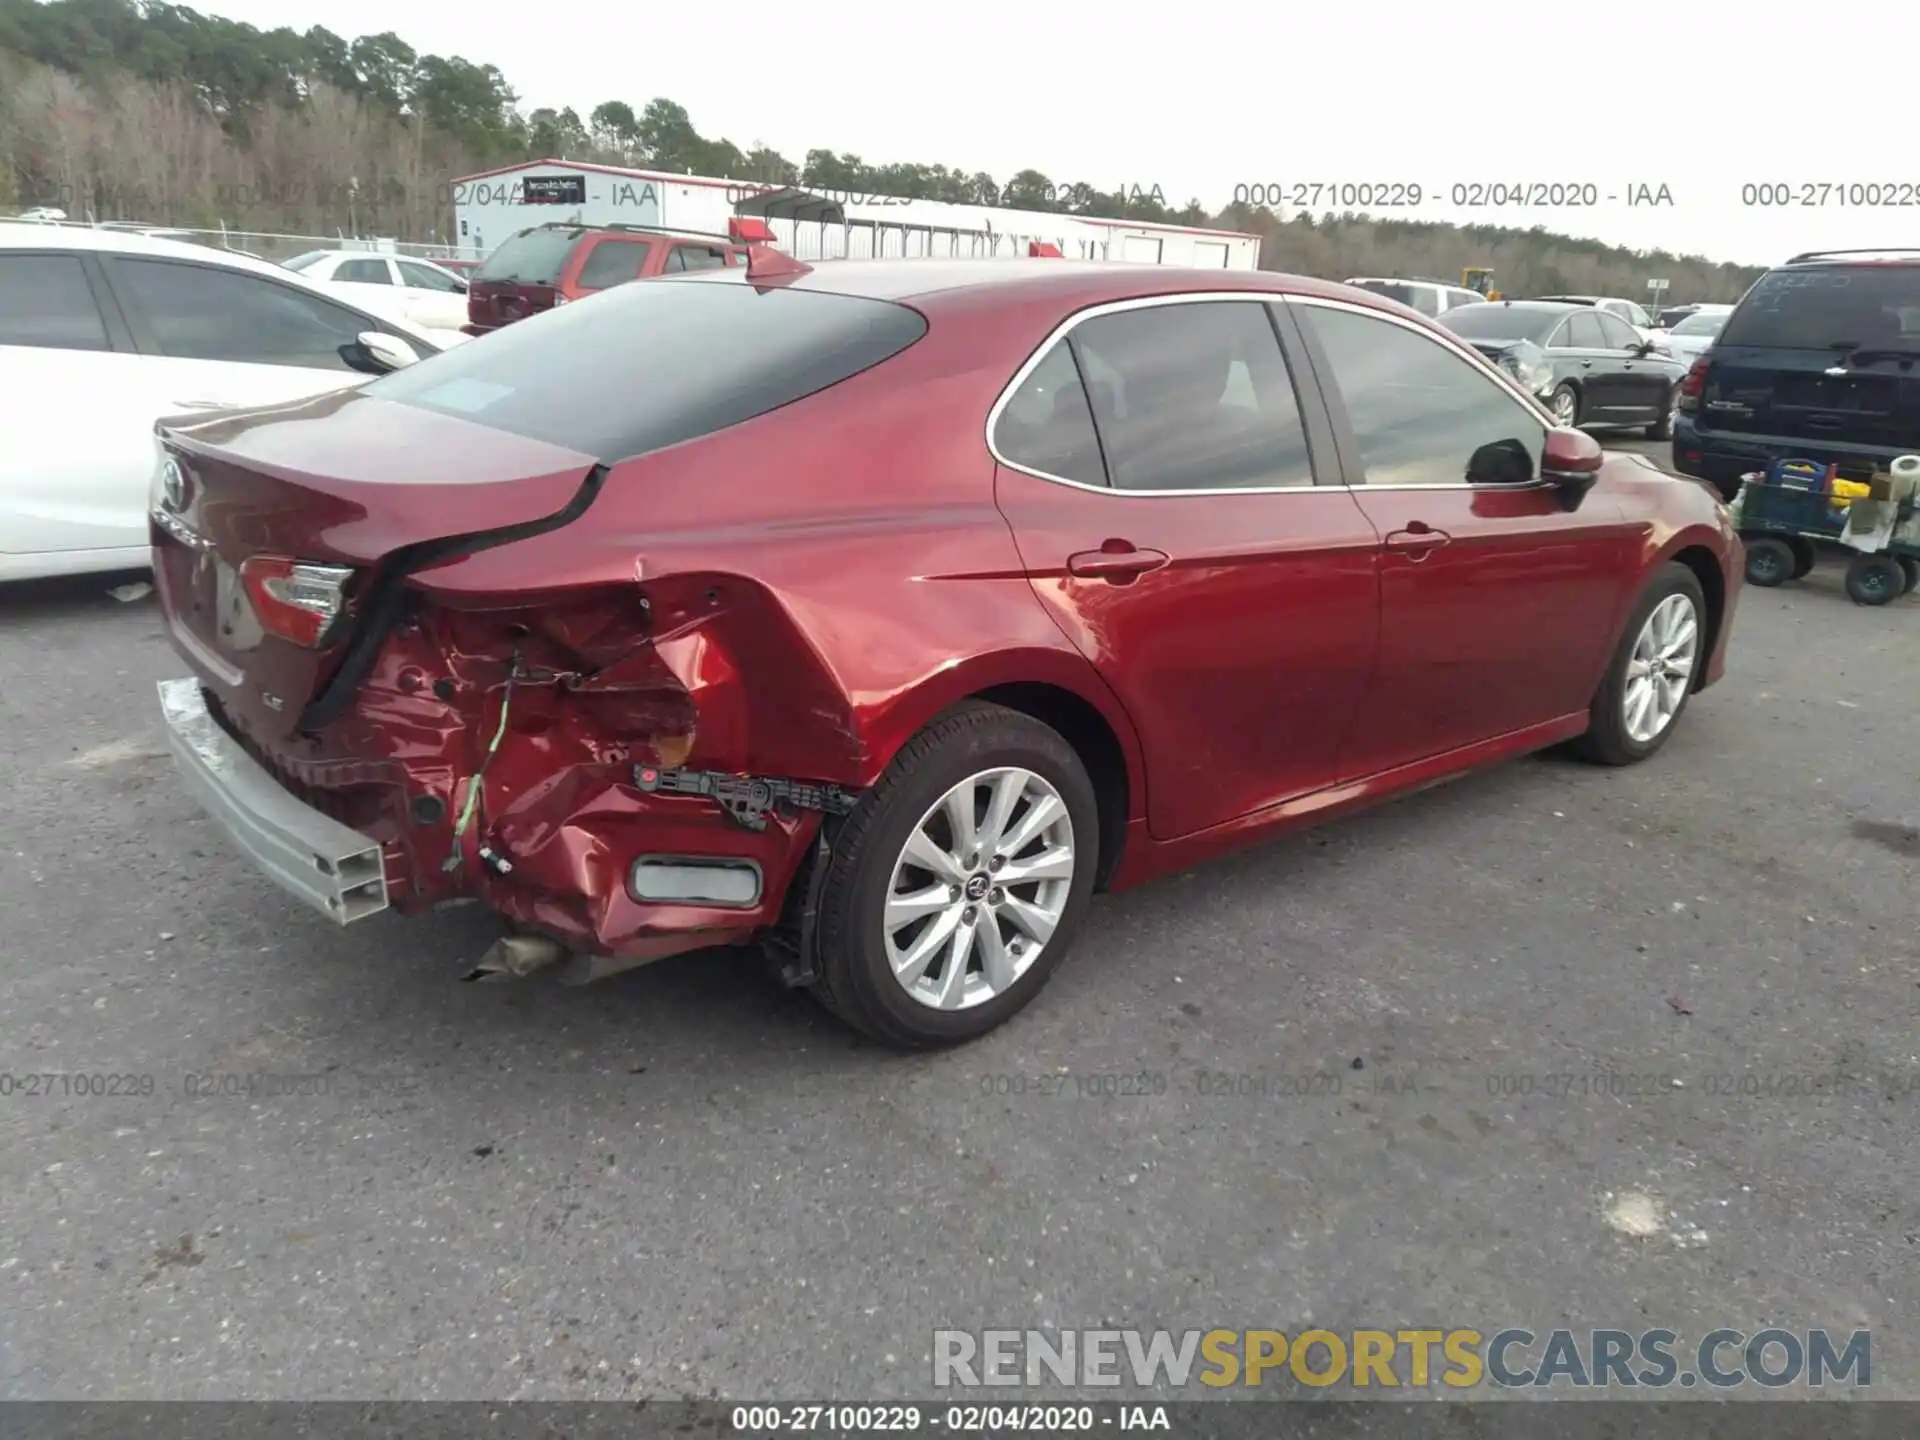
[(294, 600), (1692, 386)]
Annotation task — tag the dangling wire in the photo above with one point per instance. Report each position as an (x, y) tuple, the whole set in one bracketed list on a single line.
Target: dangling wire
[(455, 859)]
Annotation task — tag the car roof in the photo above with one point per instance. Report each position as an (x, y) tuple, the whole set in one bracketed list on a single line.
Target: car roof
[(97, 240), (582, 227), (1540, 307), (1043, 281)]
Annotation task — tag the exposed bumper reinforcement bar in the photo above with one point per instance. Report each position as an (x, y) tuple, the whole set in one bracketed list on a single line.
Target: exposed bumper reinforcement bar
[(335, 869)]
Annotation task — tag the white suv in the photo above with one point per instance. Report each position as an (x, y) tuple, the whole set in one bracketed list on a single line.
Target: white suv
[(103, 332), (1429, 297)]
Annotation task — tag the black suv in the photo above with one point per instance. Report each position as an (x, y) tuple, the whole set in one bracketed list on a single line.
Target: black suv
[(1819, 361)]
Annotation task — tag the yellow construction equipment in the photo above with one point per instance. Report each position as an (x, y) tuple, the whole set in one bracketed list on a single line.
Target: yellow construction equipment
[(1478, 280)]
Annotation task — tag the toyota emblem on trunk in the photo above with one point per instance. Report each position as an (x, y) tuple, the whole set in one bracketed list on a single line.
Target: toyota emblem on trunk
[(173, 485)]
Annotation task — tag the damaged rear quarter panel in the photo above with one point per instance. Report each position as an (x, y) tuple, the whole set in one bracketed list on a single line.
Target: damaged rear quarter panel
[(818, 583)]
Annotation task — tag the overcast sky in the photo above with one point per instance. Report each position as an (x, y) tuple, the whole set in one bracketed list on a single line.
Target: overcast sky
[(1701, 98)]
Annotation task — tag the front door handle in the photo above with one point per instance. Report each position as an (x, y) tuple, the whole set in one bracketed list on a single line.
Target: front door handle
[(1418, 540), (1118, 560)]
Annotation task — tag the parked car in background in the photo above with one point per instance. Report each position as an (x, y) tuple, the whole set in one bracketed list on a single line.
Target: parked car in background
[(417, 291), (1815, 363), (1671, 315), (882, 611), (1693, 334), (1429, 297), (548, 265), (1625, 310), (103, 332), (1586, 365)]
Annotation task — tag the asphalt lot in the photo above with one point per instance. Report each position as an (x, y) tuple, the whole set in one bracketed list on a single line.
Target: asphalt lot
[(685, 1182)]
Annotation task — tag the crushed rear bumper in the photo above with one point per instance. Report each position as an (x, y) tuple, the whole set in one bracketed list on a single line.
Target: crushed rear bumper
[(333, 868)]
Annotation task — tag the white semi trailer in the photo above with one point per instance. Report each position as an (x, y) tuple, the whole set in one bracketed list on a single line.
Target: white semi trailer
[(817, 224)]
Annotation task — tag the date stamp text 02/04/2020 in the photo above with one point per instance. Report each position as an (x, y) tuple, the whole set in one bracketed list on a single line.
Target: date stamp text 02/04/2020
[(1455, 195)]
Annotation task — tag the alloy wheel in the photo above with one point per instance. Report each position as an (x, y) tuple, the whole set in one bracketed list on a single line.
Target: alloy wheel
[(1565, 408), (1660, 668), (979, 888)]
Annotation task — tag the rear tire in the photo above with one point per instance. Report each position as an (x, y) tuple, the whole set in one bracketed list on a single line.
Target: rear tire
[(1911, 569), (1770, 562), (1805, 557), (1875, 580), (959, 763), (1657, 664)]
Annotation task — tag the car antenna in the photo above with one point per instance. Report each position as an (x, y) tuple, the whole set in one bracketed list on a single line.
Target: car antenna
[(766, 263)]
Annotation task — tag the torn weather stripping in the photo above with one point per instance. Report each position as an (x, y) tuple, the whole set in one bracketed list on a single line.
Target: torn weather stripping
[(746, 798)]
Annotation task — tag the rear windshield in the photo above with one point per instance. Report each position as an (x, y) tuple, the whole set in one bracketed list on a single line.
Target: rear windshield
[(1706, 322), (533, 257), (1500, 322), (1830, 307), (641, 367)]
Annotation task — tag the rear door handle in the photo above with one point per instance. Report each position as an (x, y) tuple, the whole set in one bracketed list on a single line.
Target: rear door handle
[(1418, 540), (1116, 564)]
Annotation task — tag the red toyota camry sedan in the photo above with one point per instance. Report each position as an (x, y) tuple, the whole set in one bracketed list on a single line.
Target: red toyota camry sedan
[(881, 613)]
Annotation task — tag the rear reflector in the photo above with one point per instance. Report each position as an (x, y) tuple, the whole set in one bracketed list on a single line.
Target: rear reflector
[(689, 880), (293, 599)]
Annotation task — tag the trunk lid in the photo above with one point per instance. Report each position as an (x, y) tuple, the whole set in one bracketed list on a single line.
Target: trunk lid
[(345, 480), (492, 303), (1819, 395)]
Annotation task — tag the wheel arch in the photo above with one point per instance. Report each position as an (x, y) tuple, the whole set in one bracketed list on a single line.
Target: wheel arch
[(1058, 690), (1713, 586)]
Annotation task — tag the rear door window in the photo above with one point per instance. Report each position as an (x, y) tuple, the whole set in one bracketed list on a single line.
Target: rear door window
[(1584, 331), (1830, 307), (1047, 423), (1193, 397), (696, 257), (363, 272), (670, 363), (46, 303), (613, 262)]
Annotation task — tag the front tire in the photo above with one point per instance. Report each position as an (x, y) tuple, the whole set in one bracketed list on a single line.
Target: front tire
[(1564, 403), (1910, 568), (1652, 673), (911, 955)]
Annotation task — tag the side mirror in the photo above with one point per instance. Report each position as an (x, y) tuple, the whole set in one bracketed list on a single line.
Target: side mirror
[(385, 353), (1571, 462)]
